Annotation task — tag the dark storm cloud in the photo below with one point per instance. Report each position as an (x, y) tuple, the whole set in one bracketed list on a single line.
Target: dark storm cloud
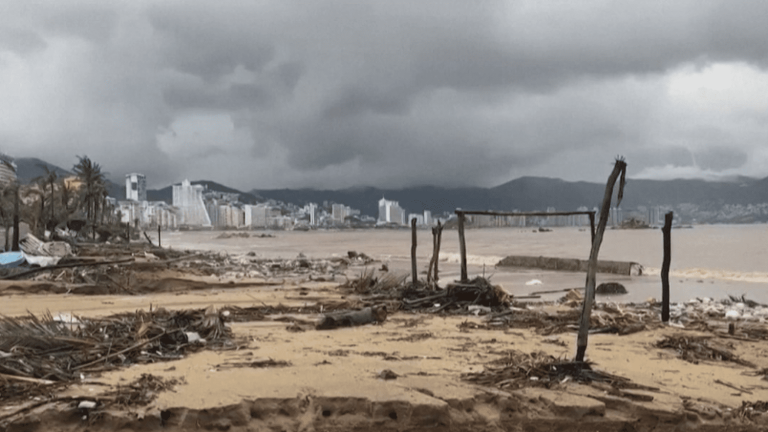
[(386, 93), (721, 158), (204, 43), (21, 41)]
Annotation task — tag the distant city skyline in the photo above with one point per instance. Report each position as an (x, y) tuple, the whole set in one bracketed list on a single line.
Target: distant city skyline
[(333, 94)]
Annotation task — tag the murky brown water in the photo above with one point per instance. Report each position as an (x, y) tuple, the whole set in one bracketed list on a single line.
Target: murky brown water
[(710, 261)]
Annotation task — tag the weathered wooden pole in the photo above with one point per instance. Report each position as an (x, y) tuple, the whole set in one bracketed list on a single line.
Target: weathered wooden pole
[(667, 231), (592, 225), (432, 270), (462, 248), (437, 250), (414, 270), (159, 244), (432, 258), (620, 168)]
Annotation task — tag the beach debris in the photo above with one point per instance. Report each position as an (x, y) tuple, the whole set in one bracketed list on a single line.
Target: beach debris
[(255, 363), (369, 315), (749, 410), (356, 258), (86, 405), (700, 348), (369, 283), (533, 282), (387, 374), (228, 235), (456, 297), (573, 298), (43, 349), (142, 390), (31, 245), (610, 288), (516, 369)]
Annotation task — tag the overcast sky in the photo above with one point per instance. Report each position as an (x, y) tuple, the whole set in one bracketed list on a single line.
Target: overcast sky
[(333, 94)]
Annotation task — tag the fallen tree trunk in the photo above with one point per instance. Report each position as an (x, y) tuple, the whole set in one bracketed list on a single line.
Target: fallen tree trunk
[(375, 314)]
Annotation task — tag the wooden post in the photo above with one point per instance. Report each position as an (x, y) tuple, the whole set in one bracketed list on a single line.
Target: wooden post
[(159, 244), (462, 248), (432, 259), (414, 270), (589, 294), (592, 225), (667, 231), (437, 250), (432, 271)]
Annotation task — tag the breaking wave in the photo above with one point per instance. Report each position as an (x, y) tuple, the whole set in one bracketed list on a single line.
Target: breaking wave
[(702, 273)]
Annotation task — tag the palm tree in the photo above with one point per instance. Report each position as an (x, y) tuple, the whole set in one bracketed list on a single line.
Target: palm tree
[(93, 182), (49, 178), (6, 212), (12, 188)]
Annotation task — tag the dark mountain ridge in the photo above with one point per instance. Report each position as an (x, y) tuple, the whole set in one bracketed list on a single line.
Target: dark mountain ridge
[(523, 194)]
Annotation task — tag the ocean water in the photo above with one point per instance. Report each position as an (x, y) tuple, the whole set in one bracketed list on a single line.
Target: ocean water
[(707, 260)]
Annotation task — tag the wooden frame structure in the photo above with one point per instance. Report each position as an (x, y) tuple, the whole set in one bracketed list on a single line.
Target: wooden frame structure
[(462, 217)]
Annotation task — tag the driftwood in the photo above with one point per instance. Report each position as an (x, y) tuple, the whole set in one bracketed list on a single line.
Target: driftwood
[(375, 314)]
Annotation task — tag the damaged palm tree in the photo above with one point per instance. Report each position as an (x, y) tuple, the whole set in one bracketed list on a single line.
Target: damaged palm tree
[(619, 169)]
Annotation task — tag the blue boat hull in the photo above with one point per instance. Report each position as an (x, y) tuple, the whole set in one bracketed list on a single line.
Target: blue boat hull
[(11, 259)]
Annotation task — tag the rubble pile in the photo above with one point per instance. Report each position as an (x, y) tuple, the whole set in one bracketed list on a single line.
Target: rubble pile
[(733, 308)]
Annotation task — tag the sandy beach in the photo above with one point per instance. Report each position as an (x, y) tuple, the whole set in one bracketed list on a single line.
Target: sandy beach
[(413, 371)]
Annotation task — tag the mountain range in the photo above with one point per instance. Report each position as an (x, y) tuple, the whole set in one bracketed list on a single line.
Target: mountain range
[(703, 200)]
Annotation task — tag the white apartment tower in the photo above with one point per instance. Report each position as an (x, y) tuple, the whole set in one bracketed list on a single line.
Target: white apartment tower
[(391, 212), (136, 187)]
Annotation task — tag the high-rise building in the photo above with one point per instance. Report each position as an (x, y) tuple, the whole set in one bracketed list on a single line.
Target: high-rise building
[(339, 212), (391, 212), (136, 187), (189, 200), (7, 170)]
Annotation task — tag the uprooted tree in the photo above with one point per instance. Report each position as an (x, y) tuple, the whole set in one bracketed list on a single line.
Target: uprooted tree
[(619, 169)]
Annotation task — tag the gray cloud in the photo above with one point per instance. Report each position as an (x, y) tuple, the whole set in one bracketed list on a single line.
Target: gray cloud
[(340, 93)]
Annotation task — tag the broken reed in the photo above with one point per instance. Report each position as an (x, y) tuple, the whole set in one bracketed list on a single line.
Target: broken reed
[(48, 349)]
